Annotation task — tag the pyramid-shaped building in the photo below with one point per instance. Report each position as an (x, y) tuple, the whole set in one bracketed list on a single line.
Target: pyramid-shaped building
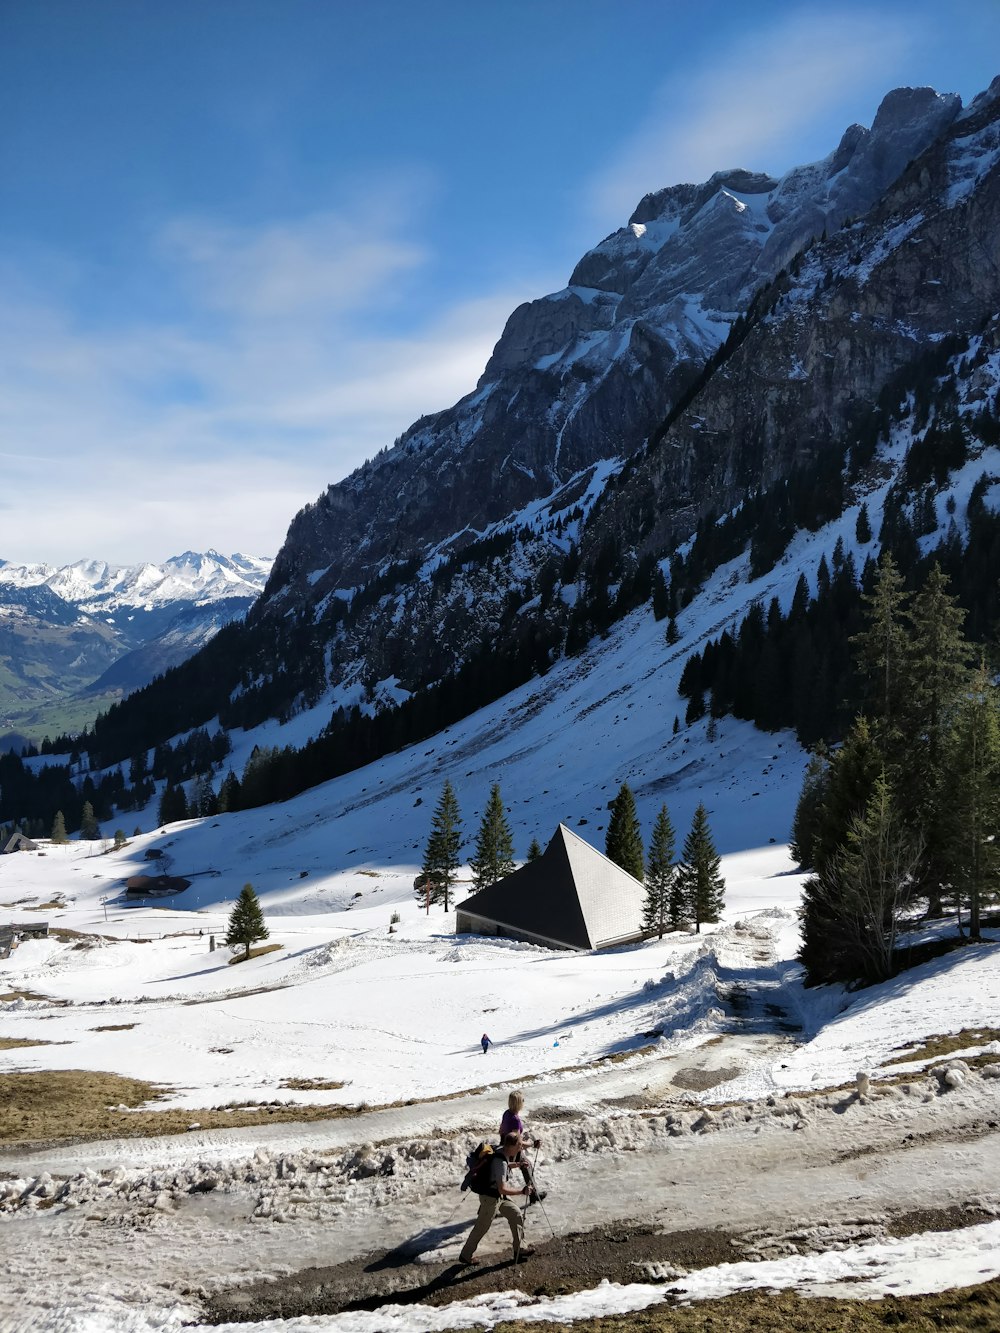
[(571, 897)]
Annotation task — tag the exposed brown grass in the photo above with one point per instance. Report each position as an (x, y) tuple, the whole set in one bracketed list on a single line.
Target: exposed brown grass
[(53, 906), (311, 1084), (53, 1106), (114, 1027), (936, 1048), (255, 953), (15, 1043), (967, 1310), (26, 995)]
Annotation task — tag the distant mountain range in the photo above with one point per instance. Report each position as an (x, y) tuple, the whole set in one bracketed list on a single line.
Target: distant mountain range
[(94, 628)]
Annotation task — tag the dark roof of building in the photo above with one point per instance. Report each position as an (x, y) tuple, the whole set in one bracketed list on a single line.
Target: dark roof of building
[(572, 895)]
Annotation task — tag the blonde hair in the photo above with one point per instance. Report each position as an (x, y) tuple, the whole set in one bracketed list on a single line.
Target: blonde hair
[(515, 1101)]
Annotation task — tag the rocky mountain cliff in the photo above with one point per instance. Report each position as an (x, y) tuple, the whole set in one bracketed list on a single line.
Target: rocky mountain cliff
[(587, 373), (733, 336)]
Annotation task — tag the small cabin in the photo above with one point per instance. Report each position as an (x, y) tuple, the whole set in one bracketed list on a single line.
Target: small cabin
[(571, 897), (18, 842)]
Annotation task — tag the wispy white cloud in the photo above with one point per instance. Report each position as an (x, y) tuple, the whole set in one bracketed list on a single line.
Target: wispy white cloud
[(134, 440), (326, 264), (744, 106)]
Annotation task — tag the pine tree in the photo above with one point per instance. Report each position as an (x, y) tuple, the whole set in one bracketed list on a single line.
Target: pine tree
[(494, 857), (229, 794), (660, 874), (970, 817), (120, 840), (851, 908), (879, 652), (59, 828), (623, 841), (90, 830), (172, 806), (535, 850), (935, 675), (246, 922), (808, 811), (701, 888), (440, 864), (863, 527), (854, 770)]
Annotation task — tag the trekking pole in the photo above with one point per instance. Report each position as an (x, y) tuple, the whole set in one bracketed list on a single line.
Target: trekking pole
[(546, 1216), (538, 1199), (529, 1189)]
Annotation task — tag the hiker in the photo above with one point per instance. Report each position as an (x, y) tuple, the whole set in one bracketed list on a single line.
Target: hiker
[(485, 1042), (499, 1200), (511, 1123)]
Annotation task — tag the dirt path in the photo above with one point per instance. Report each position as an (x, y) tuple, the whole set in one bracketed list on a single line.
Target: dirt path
[(619, 1254), (627, 1191)]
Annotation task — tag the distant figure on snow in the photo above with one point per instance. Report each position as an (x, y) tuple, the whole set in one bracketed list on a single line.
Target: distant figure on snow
[(485, 1042), (511, 1123), (499, 1201)]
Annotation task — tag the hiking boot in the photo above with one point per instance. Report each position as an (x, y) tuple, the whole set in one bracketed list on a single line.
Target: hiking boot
[(469, 1263), (526, 1252)]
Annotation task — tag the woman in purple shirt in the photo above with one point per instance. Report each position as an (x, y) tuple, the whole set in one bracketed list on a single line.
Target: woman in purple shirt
[(511, 1123)]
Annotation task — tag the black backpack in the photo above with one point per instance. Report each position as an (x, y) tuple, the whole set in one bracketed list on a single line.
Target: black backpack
[(479, 1173)]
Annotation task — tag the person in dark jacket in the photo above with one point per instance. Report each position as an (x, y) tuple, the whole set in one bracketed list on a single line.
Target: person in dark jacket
[(500, 1201), (485, 1042)]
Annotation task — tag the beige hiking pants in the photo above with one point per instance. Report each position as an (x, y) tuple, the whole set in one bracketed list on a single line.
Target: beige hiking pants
[(489, 1208)]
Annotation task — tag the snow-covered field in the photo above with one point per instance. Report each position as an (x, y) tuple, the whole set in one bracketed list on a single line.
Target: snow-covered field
[(396, 1017), (129, 1234)]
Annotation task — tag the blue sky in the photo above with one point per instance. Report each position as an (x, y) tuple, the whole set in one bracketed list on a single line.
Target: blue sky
[(244, 243)]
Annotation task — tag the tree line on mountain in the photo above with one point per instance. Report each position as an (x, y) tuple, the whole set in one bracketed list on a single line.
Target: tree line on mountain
[(793, 668), (679, 893), (904, 818)]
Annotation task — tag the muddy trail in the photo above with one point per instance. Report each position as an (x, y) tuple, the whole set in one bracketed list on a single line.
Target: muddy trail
[(559, 1265)]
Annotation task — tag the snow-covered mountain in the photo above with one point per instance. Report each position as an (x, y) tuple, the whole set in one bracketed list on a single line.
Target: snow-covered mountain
[(735, 339), (111, 591), (62, 628), (589, 372)]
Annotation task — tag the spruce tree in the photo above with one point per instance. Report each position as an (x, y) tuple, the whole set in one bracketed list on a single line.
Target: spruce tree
[(851, 908), (246, 922), (936, 672), (229, 794), (59, 828), (660, 873), (172, 806), (494, 856), (440, 864), (701, 888), (863, 527), (535, 850), (623, 841), (970, 799), (879, 653), (854, 770), (809, 810), (90, 830)]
